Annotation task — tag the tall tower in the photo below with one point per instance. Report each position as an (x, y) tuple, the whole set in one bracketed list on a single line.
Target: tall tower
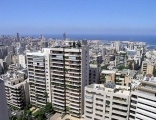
[(17, 37), (64, 36), (69, 74), (37, 78)]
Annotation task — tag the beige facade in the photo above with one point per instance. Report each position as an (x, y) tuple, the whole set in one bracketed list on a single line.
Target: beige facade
[(147, 67), (17, 90), (124, 77), (69, 69), (104, 103), (107, 75)]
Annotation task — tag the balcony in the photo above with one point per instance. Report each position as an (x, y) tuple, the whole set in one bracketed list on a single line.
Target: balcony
[(120, 106), (120, 100), (57, 66), (88, 109), (57, 96), (120, 112), (57, 73), (40, 83), (59, 57), (39, 69), (118, 117), (74, 76), (37, 75)]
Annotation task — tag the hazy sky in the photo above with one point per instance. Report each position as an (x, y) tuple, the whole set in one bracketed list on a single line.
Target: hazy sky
[(78, 16)]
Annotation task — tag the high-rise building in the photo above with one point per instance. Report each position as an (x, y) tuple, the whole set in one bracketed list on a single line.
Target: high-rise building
[(3, 103), (106, 102), (37, 78), (64, 36), (17, 37), (69, 67), (62, 73), (143, 101)]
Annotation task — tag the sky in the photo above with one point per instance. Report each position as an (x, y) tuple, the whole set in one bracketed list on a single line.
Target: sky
[(78, 17)]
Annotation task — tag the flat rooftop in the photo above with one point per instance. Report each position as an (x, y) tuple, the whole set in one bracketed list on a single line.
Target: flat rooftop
[(124, 90), (109, 71)]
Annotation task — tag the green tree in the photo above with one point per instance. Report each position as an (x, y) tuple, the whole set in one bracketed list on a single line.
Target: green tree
[(130, 66), (104, 68), (102, 78), (121, 67), (154, 72), (48, 108)]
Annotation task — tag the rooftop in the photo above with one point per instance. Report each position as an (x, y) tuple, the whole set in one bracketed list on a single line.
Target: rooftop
[(113, 89), (109, 71)]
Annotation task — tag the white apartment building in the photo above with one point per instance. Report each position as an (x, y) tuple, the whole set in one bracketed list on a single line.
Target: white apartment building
[(61, 73), (22, 60), (16, 88), (143, 101), (37, 78), (69, 67), (106, 102)]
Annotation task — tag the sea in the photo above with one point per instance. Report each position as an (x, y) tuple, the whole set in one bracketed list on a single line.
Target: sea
[(149, 39)]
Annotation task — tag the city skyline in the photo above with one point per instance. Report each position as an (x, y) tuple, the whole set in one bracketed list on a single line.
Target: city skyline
[(78, 17)]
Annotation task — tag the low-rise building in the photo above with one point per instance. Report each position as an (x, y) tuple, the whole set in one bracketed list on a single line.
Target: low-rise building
[(143, 100), (147, 67), (106, 102), (124, 77), (16, 88), (107, 75)]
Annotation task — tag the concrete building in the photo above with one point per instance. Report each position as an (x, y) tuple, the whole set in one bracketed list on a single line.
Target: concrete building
[(15, 67), (3, 103), (106, 102), (97, 58), (94, 73), (3, 51), (124, 77), (22, 60), (120, 59), (17, 37), (147, 67), (69, 66), (16, 88), (107, 75), (116, 45), (37, 78), (143, 101)]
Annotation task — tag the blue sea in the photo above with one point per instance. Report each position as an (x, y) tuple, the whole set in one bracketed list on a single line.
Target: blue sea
[(149, 39)]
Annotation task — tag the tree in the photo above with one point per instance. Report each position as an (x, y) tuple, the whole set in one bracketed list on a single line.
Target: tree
[(130, 66), (154, 72), (104, 68), (121, 67), (48, 108), (102, 78)]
